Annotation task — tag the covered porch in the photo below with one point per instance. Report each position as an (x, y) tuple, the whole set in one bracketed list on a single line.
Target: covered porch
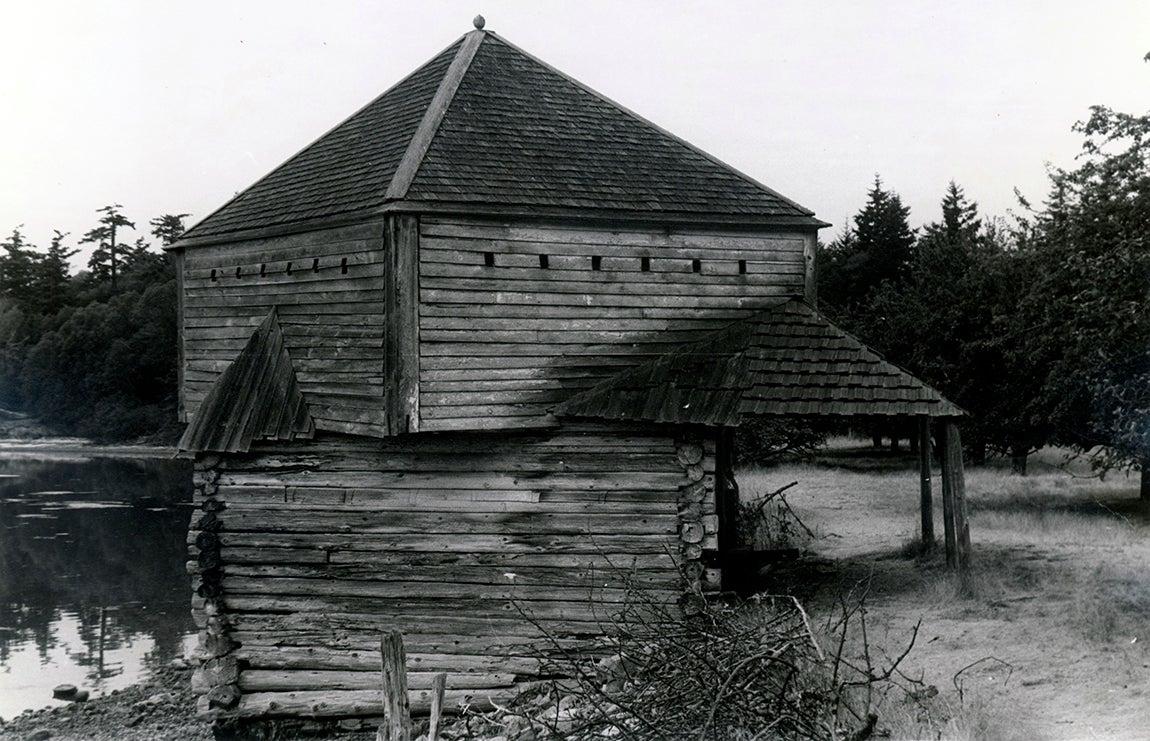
[(789, 361)]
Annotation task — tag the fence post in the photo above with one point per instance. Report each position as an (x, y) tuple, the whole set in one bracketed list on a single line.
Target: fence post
[(393, 668), (438, 685)]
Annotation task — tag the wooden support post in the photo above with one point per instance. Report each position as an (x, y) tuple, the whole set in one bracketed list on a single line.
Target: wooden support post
[(438, 685), (954, 488), (947, 496), (393, 665), (925, 499)]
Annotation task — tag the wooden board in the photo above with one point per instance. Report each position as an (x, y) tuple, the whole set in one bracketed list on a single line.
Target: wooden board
[(521, 316), (327, 289)]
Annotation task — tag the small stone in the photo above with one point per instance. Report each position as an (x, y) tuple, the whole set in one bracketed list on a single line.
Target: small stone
[(64, 691), (80, 696), (40, 734)]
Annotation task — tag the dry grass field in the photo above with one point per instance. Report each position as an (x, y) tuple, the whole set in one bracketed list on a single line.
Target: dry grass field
[(1059, 614)]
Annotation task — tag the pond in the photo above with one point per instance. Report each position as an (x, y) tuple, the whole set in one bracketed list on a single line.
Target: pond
[(93, 589)]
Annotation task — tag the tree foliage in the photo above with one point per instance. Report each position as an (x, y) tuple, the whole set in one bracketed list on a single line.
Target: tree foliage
[(1086, 315), (1040, 327), (878, 249), (91, 354)]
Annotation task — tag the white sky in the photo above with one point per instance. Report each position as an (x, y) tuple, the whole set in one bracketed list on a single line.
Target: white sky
[(174, 106)]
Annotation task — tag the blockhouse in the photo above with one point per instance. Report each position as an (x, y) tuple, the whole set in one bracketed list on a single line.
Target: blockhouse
[(464, 357)]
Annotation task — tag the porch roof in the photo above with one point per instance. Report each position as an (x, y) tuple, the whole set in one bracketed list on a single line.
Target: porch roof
[(788, 360)]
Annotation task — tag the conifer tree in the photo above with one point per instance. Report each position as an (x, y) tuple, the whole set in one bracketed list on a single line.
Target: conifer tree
[(54, 274), (19, 263), (106, 259), (878, 249)]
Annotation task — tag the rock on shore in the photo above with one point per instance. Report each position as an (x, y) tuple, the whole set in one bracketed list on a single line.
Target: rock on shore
[(161, 709)]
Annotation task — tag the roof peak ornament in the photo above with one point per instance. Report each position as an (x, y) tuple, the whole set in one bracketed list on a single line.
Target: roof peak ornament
[(479, 22)]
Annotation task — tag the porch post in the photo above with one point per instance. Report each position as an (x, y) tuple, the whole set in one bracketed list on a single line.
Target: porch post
[(954, 489), (925, 503), (941, 433)]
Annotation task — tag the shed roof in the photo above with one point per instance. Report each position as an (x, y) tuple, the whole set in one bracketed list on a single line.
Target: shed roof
[(789, 360), (256, 398), (484, 124)]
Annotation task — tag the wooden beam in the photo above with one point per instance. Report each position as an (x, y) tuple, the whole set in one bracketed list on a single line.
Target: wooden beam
[(925, 499), (433, 116), (954, 490)]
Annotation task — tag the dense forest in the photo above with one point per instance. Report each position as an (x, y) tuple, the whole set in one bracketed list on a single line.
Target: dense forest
[(1038, 323), (93, 353)]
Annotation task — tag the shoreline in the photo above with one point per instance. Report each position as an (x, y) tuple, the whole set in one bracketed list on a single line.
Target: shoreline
[(79, 448), (160, 707)]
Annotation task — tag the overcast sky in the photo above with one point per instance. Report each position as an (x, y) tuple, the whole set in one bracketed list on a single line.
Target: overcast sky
[(175, 106)]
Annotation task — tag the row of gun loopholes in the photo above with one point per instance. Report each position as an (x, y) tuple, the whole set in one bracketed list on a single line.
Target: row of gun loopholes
[(288, 268), (597, 263)]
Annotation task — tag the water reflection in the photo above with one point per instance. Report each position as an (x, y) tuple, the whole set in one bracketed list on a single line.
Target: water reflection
[(92, 581)]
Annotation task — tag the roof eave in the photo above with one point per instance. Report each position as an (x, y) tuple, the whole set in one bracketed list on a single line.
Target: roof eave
[(473, 208)]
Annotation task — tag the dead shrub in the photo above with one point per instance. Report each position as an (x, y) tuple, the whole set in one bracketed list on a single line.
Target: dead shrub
[(739, 670)]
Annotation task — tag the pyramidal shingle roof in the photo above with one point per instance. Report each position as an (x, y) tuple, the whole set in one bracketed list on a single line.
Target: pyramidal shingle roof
[(787, 360), (485, 123)]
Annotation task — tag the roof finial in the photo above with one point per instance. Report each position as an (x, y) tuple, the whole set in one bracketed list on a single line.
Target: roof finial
[(479, 22)]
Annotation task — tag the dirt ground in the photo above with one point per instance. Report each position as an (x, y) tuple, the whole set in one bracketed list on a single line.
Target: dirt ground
[(1060, 610)]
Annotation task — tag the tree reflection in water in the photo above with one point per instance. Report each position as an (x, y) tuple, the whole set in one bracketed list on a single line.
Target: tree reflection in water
[(92, 564)]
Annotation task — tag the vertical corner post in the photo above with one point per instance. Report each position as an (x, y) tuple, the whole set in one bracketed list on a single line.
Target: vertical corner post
[(810, 277), (954, 488), (942, 433), (926, 504), (401, 344)]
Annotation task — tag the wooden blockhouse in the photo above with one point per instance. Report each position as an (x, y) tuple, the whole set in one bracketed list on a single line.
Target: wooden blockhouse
[(472, 350)]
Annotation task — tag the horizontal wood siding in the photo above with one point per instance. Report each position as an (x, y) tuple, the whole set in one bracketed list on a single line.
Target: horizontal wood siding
[(452, 539), (330, 307), (563, 307)]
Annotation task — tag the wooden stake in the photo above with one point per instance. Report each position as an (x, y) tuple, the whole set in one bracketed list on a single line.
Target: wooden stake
[(925, 498), (947, 494), (438, 685), (393, 667)]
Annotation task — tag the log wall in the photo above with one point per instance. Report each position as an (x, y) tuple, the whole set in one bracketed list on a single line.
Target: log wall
[(514, 318), (304, 553), (328, 289)]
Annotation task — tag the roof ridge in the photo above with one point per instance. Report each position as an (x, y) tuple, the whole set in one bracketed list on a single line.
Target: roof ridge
[(649, 123), (424, 134), (321, 137)]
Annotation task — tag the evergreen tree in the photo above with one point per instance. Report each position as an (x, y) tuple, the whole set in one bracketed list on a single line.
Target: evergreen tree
[(168, 228), (19, 264), (878, 249), (54, 280), (106, 259), (960, 222)]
